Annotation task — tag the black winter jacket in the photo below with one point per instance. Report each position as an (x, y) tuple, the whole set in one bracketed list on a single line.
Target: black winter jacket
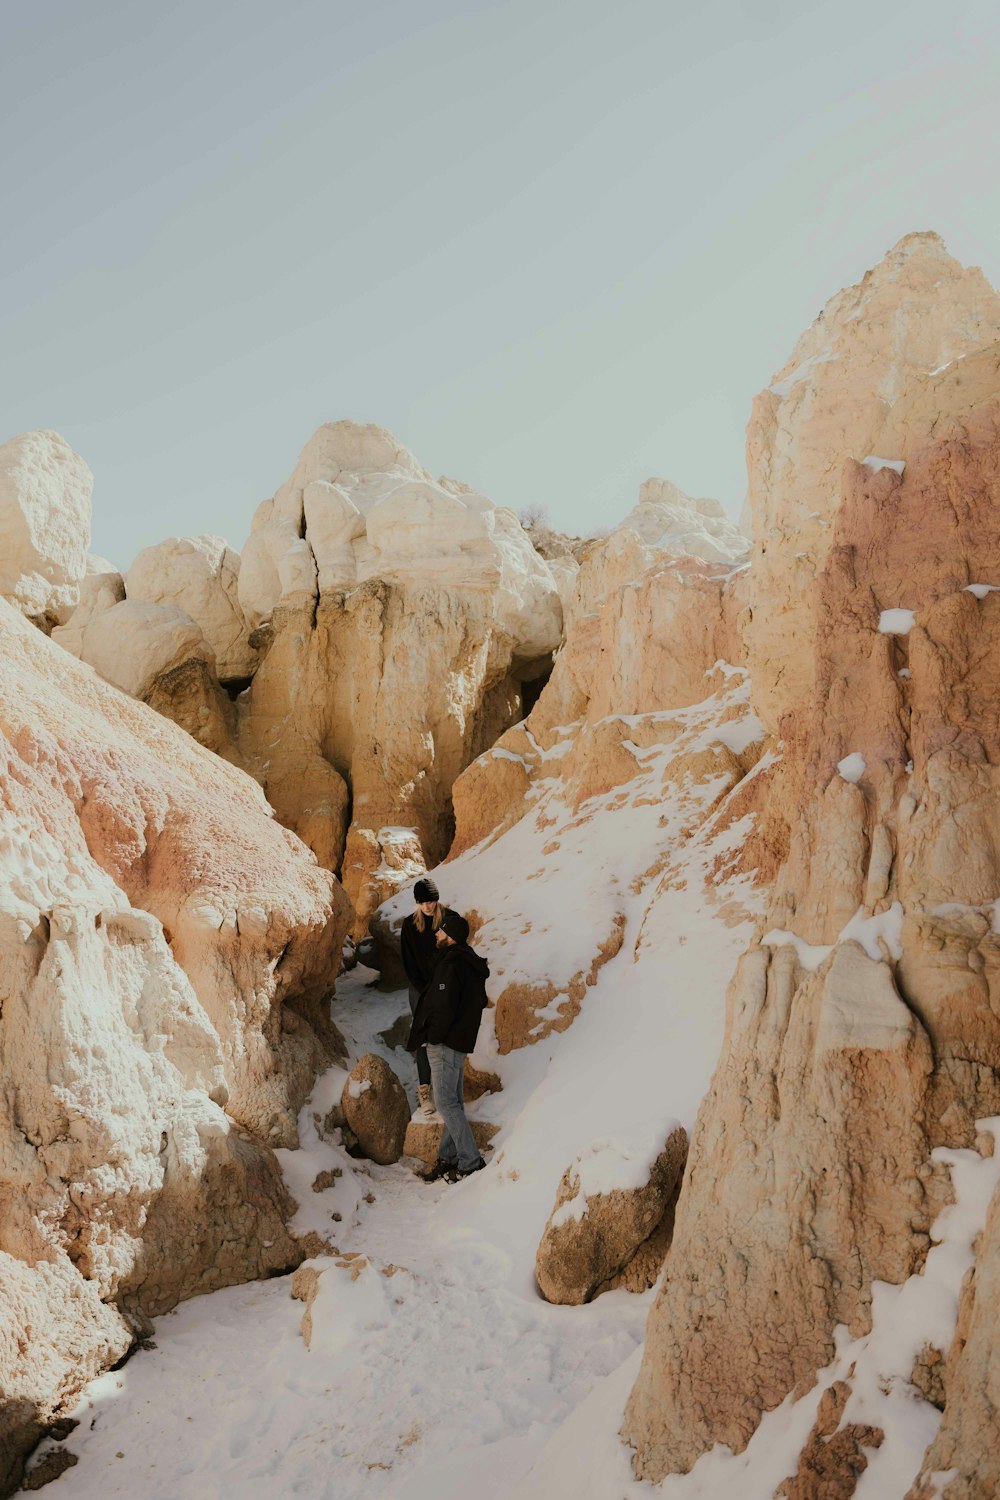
[(419, 952), (452, 1005)]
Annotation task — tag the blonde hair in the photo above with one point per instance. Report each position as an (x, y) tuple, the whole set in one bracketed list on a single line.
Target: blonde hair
[(420, 921)]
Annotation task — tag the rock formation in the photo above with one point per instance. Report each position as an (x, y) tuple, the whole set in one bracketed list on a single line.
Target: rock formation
[(375, 1109), (862, 1026), (388, 621), (404, 613), (916, 311), (601, 1235), (199, 575), (167, 951), (45, 491)]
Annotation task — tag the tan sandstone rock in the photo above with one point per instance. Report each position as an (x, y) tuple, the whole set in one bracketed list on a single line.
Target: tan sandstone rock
[(666, 523), (804, 1094), (45, 491), (167, 952), (592, 1237), (916, 311), (394, 655), (199, 576), (376, 1109), (423, 1138), (131, 644), (864, 1031)]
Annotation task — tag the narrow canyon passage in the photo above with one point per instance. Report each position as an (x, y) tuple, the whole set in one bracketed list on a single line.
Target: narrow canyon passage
[(445, 1377)]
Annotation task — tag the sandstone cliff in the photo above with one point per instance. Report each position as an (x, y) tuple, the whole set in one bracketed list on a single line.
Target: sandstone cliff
[(862, 1026), (374, 634), (167, 952), (916, 311)]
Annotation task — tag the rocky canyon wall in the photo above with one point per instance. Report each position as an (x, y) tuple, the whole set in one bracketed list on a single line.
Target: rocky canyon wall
[(168, 954), (369, 643), (863, 1025)]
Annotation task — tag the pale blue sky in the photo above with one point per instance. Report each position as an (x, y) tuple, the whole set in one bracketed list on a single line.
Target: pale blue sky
[(554, 247)]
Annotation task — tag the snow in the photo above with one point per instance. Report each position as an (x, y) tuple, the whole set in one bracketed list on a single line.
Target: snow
[(873, 463), (871, 932), (617, 1162), (357, 1087), (896, 621), (981, 589), (853, 766), (499, 753), (585, 1460), (810, 955), (800, 373)]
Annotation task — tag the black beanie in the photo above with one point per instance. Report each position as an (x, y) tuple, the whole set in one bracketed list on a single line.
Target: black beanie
[(455, 925), (425, 890)]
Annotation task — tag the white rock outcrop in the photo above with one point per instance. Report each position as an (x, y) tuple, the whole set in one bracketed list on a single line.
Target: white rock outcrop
[(132, 644), (359, 506), (200, 576), (101, 588), (45, 491)]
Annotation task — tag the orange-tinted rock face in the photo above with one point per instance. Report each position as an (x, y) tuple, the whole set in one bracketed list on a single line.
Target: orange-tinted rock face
[(846, 1061), (872, 345)]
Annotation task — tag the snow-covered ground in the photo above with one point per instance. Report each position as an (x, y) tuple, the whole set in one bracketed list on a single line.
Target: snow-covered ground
[(442, 1378)]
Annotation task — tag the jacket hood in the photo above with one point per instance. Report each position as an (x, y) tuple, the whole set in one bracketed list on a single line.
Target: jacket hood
[(461, 953)]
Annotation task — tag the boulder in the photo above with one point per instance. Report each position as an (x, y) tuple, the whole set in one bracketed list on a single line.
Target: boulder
[(423, 1138), (376, 1109), (100, 589), (45, 491), (132, 644), (199, 576), (597, 1228)]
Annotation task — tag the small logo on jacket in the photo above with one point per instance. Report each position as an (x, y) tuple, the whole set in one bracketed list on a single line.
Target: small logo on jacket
[(440, 986)]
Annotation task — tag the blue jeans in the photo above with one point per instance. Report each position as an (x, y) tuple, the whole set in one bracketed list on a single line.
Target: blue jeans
[(458, 1144)]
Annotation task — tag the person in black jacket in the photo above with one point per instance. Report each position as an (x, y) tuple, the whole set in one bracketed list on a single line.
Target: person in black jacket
[(447, 1023), (419, 951)]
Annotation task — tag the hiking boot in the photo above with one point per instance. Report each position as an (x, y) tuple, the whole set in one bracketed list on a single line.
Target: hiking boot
[(425, 1102), (440, 1169), (454, 1174)]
